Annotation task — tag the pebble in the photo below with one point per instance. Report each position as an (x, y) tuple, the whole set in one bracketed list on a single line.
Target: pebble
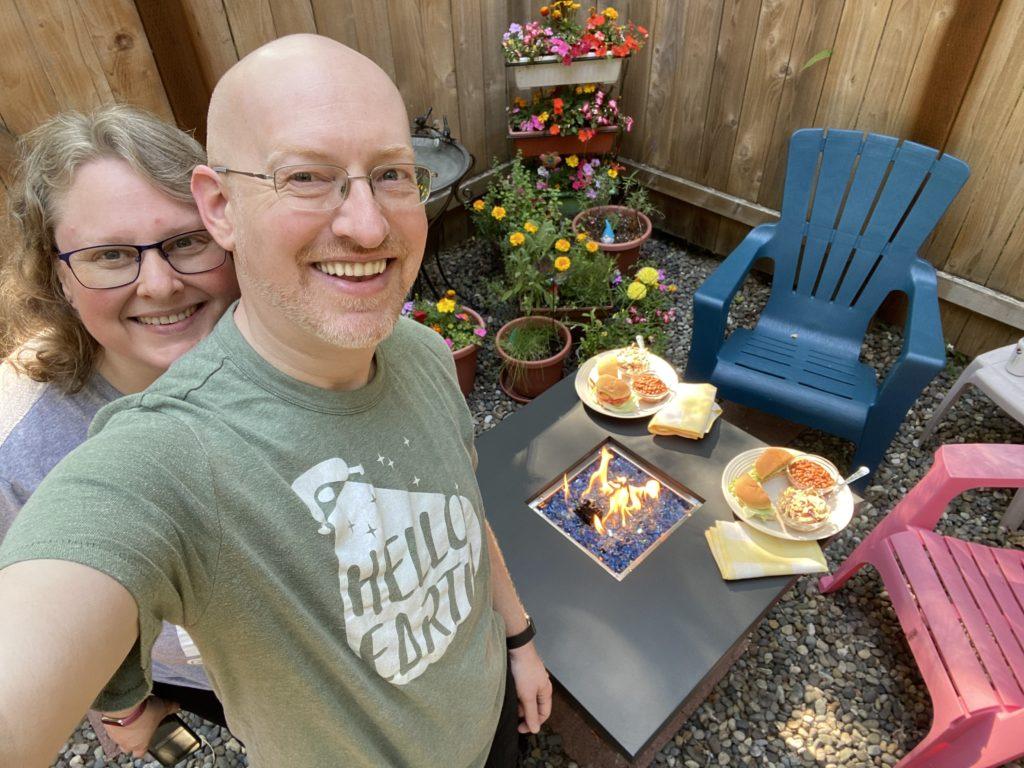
[(858, 697)]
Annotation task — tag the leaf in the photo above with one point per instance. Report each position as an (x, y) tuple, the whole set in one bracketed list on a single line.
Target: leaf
[(819, 56)]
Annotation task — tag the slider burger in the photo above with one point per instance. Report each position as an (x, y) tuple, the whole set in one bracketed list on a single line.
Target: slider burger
[(771, 462), (750, 493), (612, 391)]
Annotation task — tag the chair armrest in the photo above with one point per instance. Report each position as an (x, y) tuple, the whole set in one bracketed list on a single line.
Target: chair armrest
[(712, 299), (924, 351), (958, 467)]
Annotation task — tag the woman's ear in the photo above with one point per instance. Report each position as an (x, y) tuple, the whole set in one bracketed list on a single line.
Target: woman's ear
[(208, 189), (66, 285)]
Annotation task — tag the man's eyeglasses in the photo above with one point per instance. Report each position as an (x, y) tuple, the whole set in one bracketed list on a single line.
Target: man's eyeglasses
[(117, 265), (396, 187)]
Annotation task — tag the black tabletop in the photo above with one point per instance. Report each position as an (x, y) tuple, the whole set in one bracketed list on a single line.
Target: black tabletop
[(629, 652)]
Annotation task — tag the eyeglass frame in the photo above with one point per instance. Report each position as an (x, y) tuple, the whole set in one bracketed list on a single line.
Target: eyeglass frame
[(141, 249), (271, 178)]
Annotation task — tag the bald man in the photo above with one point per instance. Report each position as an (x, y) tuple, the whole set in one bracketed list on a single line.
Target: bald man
[(298, 492)]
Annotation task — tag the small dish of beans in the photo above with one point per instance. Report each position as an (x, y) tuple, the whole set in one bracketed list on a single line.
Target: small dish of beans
[(811, 473)]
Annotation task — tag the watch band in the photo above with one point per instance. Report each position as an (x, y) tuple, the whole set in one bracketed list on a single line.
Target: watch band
[(128, 719), (518, 641)]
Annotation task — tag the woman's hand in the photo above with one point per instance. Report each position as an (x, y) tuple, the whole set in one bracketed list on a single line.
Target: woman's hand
[(533, 687), (134, 738)]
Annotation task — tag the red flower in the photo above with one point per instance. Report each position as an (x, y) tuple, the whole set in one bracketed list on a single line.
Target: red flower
[(419, 315), (554, 130), (558, 104), (585, 135), (596, 20)]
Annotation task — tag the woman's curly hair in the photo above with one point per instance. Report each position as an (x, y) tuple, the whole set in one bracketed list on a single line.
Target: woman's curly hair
[(40, 333)]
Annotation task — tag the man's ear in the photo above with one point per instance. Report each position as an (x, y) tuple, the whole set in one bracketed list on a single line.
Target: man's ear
[(208, 189)]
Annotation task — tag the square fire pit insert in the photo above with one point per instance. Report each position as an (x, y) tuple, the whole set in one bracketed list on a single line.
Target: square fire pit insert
[(615, 507)]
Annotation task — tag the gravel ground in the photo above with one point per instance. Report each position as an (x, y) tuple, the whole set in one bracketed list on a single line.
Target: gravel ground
[(827, 681)]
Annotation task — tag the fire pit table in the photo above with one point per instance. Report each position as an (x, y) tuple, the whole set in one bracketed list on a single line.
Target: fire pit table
[(635, 635)]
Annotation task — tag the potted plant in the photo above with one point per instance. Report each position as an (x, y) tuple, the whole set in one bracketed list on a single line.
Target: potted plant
[(513, 197), (533, 351), (561, 50), (462, 328), (619, 229), (547, 272), (566, 120), (644, 308)]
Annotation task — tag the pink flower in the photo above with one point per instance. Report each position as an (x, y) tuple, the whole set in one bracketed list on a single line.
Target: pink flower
[(481, 332), (450, 343)]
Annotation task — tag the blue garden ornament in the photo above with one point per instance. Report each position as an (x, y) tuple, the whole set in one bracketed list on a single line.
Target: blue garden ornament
[(608, 236), (855, 209)]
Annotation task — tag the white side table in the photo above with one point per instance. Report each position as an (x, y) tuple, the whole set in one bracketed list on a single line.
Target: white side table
[(988, 373)]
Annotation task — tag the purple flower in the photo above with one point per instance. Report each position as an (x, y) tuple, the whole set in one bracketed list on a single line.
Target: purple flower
[(514, 28), (617, 279), (661, 275), (542, 171), (591, 194), (481, 332), (450, 343), (541, 185), (407, 308)]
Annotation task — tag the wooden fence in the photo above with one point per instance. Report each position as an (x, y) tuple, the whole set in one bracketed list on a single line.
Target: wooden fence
[(716, 93)]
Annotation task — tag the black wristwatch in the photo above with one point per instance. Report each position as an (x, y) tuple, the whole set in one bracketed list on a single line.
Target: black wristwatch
[(518, 641)]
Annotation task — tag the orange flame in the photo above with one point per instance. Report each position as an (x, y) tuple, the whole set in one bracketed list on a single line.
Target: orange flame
[(565, 488), (624, 500)]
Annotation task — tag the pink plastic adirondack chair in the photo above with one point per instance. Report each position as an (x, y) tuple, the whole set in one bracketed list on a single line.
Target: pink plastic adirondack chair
[(960, 605)]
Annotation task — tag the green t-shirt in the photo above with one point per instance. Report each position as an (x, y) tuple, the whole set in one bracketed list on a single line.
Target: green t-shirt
[(325, 550)]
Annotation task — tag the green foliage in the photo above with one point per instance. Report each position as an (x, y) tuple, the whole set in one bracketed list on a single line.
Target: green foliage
[(532, 341), (511, 199), (644, 309)]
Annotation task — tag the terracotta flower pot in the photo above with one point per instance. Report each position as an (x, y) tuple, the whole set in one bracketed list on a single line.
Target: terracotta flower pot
[(535, 143), (625, 253), (465, 358), (526, 379)]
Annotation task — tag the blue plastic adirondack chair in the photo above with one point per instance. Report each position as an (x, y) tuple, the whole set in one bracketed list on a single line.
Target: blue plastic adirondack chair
[(855, 210)]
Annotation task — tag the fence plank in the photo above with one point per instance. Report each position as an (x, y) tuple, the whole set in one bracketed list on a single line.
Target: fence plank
[(801, 93), (360, 24), (853, 57), (494, 22), (897, 51), (252, 24), (211, 38), (662, 94), (776, 29), (421, 39), (71, 66), (292, 17), (469, 75), (635, 85), (123, 50), (26, 96)]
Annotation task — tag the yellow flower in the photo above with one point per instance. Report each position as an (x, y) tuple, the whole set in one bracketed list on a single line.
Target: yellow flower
[(579, 89), (673, 288), (562, 263), (517, 238), (589, 88), (610, 13), (613, 173), (572, 161), (478, 204), (543, 116), (636, 290), (445, 306), (563, 245), (498, 212), (581, 237), (647, 276), (592, 246), (530, 227), (449, 294)]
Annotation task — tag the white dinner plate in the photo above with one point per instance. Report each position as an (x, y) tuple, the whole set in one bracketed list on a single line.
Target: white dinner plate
[(841, 502), (585, 389)]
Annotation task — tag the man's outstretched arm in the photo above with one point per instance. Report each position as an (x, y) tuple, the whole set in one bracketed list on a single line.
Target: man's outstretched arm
[(533, 686), (64, 631)]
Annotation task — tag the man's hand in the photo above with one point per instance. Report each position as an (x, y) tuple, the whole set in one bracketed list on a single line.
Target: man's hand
[(134, 738), (533, 687)]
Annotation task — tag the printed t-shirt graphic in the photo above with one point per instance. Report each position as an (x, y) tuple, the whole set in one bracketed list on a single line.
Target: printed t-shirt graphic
[(406, 562)]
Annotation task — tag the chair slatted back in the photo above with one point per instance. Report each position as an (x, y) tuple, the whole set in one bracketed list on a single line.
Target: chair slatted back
[(855, 210)]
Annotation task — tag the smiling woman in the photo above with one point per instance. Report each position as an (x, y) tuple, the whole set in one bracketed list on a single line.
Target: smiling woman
[(115, 279)]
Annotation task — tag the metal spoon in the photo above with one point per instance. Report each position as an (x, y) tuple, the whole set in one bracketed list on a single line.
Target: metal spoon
[(856, 475)]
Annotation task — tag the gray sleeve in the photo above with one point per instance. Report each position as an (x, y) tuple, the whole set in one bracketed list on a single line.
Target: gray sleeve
[(10, 506), (134, 502)]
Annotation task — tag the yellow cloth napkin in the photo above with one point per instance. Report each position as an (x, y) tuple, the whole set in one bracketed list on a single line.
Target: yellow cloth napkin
[(744, 553), (688, 413)]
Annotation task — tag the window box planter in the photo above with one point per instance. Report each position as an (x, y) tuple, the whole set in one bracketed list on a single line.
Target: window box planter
[(534, 143), (545, 71)]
